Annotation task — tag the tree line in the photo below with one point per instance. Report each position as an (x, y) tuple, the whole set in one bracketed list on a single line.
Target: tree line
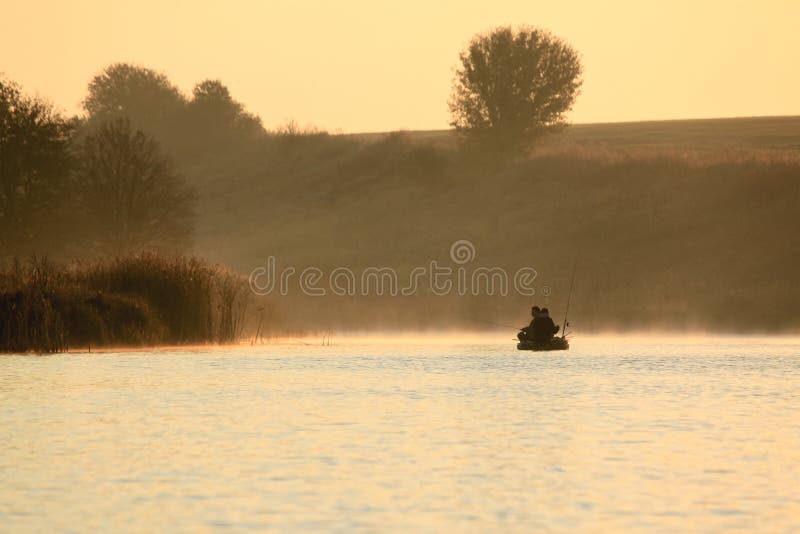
[(106, 182), (112, 181)]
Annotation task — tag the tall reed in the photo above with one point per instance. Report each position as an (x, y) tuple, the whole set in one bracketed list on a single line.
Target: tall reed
[(135, 300)]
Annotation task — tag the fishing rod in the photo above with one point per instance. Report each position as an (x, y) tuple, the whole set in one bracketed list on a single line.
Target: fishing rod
[(569, 298)]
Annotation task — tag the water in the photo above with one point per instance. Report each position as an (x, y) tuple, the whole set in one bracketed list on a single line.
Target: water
[(638, 434)]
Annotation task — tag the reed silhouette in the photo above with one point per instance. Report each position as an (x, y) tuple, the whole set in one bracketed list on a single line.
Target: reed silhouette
[(129, 301)]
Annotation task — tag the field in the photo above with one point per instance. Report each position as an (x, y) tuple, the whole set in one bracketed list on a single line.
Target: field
[(773, 133)]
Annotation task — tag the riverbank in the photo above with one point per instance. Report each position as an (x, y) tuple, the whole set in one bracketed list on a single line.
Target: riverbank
[(670, 232)]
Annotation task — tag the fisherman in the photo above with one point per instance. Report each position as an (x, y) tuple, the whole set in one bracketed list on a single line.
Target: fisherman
[(526, 333), (543, 330)]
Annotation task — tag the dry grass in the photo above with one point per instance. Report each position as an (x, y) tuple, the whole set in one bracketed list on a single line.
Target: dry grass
[(671, 233), (130, 301)]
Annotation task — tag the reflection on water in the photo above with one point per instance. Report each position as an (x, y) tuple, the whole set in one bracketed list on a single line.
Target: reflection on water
[(631, 434)]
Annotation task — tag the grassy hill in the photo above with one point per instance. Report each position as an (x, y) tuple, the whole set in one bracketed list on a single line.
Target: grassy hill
[(676, 224)]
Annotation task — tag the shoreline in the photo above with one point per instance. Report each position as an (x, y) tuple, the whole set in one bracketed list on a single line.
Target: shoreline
[(449, 338)]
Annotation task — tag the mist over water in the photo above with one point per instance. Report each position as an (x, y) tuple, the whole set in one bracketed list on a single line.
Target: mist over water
[(376, 433)]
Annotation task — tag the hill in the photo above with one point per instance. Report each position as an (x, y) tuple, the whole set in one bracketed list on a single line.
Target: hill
[(676, 224), (773, 133)]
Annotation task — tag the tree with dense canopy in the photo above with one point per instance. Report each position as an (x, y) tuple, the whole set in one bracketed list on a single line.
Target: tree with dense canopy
[(217, 119), (141, 94), (35, 165), (209, 122), (513, 86)]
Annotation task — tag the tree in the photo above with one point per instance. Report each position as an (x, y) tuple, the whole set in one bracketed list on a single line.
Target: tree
[(132, 194), (217, 120), (35, 164), (212, 98), (146, 97), (513, 86)]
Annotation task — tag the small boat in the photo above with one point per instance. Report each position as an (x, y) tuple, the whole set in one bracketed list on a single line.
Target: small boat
[(557, 343)]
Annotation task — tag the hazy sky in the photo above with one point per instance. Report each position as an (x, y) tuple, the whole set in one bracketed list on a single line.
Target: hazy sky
[(372, 66)]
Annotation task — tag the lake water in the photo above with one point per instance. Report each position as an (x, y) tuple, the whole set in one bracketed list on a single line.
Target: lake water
[(418, 433)]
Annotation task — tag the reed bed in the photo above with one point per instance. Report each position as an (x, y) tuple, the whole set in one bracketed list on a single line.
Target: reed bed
[(140, 300)]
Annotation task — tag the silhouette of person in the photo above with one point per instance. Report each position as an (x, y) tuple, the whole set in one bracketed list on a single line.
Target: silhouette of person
[(544, 328), (526, 332)]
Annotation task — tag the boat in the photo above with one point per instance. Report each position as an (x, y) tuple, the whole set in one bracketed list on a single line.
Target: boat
[(557, 343)]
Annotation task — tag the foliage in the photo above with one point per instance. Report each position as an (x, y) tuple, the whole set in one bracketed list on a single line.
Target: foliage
[(133, 300), (35, 164), (513, 86), (209, 122), (131, 192), (290, 128), (144, 96), (213, 110)]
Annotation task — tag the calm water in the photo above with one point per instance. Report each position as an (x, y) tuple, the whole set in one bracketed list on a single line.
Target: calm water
[(641, 434)]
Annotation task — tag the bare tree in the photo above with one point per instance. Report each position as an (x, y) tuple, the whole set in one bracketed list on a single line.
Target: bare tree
[(135, 199), (513, 86)]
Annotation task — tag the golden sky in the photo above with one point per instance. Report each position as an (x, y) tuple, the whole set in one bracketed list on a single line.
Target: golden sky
[(374, 66)]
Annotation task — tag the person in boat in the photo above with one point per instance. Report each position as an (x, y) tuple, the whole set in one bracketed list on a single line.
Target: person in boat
[(544, 328), (526, 332)]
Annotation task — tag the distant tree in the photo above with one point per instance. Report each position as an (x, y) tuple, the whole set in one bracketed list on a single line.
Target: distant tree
[(215, 98), (135, 199), (145, 96), (217, 117), (513, 86), (34, 172), (291, 128)]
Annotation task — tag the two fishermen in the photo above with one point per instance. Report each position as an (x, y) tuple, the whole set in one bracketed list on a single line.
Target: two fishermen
[(542, 328)]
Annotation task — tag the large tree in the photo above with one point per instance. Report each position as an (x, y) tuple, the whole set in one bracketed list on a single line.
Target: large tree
[(513, 86), (135, 199), (34, 173), (145, 96)]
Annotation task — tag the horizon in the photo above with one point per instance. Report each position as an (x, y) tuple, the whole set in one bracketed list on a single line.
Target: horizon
[(599, 123), (320, 65)]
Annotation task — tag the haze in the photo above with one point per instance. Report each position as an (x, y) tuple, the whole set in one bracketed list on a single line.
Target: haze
[(365, 66)]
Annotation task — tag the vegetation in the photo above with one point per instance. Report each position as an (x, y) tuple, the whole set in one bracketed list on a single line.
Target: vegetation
[(677, 225), (130, 301), (209, 124), (512, 87), (69, 187), (131, 194), (666, 238), (35, 166), (125, 90)]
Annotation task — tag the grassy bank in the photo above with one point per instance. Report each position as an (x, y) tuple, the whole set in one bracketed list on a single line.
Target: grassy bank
[(131, 301), (672, 233), (678, 225)]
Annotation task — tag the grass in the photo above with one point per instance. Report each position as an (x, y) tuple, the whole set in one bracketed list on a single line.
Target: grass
[(677, 225), (130, 301), (771, 133)]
